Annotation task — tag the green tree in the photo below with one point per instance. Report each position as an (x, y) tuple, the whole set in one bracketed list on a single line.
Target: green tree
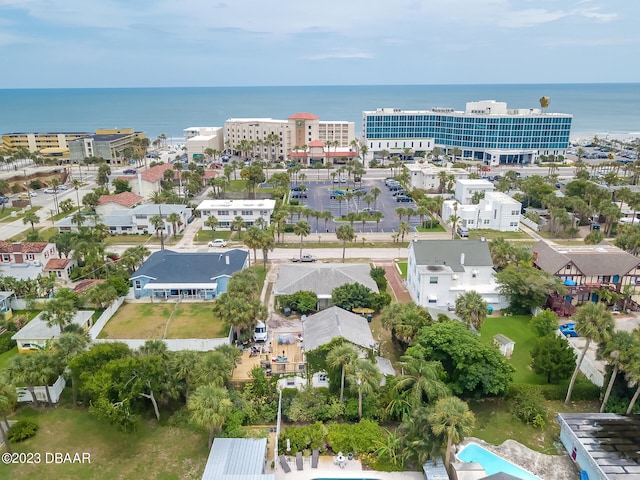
[(619, 351), (526, 286), (174, 219), (67, 347), (352, 295), (452, 419), (545, 323), (341, 355), (32, 218), (471, 307), (102, 178), (210, 407), (364, 378), (120, 185), (253, 240), (8, 401), (404, 320), (553, 357), (301, 229), (423, 380), (61, 309), (595, 323), (345, 233)]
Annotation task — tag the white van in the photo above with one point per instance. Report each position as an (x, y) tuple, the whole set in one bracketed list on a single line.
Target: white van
[(260, 333)]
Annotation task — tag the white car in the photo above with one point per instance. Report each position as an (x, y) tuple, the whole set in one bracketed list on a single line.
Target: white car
[(218, 242), (63, 187)]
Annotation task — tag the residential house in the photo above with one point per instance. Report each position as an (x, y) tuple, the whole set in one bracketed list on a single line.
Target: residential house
[(26, 259), (584, 269), (426, 176), (61, 268), (227, 210), (237, 459), (604, 445), (167, 274), (493, 210), (118, 201), (36, 334), (134, 220), (6, 299), (321, 279), (147, 182), (335, 322), (438, 271)]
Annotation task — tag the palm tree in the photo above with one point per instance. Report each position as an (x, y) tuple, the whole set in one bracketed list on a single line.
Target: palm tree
[(595, 323), (210, 406), (8, 400), (341, 355), (346, 234), (375, 192), (237, 224), (173, 218), (252, 240), (67, 347), (326, 216), (364, 377), (76, 186), (403, 229), (32, 218), (471, 307), (211, 222), (422, 379), (377, 217), (302, 229), (618, 351), (451, 417)]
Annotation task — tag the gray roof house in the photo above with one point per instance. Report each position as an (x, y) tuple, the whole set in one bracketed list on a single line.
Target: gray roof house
[(237, 459), (321, 279), (438, 271), (335, 322), (605, 445), (35, 334), (204, 275)]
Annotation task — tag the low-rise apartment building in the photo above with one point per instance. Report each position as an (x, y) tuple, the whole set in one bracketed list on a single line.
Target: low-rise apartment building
[(427, 176), (227, 210)]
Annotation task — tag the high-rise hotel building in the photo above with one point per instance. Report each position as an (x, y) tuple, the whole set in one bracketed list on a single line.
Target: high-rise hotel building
[(486, 131)]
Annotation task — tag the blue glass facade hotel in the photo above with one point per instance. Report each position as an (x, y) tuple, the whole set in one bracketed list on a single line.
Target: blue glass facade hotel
[(485, 131)]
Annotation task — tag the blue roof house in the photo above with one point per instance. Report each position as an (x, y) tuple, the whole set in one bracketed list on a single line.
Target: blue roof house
[(167, 274)]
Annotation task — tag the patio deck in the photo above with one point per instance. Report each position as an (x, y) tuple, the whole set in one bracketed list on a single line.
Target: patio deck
[(283, 345)]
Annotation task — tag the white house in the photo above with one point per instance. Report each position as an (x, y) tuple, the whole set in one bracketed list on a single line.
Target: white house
[(466, 188), (438, 271), (26, 259), (117, 201), (226, 210), (35, 334), (134, 220), (426, 176)]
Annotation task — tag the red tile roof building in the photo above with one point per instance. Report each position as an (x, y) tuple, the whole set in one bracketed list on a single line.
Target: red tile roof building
[(125, 199)]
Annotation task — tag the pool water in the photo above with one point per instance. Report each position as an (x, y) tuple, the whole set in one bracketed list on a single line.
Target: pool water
[(492, 463)]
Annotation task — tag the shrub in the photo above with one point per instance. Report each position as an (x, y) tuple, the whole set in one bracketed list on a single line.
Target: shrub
[(528, 407), (288, 228), (22, 429), (6, 343), (358, 438), (308, 437), (315, 404), (545, 323)]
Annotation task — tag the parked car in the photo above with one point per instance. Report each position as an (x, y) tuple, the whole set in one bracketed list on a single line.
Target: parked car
[(218, 242), (130, 171), (404, 199), (296, 188), (49, 190), (4, 200), (305, 258), (63, 187), (463, 232), (569, 330), (399, 192), (336, 194), (298, 195)]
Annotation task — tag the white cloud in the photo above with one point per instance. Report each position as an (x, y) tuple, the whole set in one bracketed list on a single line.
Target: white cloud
[(340, 55)]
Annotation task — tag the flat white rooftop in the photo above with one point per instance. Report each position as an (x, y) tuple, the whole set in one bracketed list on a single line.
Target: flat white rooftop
[(265, 204)]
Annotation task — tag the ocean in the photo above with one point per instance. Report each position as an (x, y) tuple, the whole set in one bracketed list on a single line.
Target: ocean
[(598, 109)]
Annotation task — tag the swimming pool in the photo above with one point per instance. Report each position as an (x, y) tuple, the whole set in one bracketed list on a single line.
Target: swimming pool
[(492, 463)]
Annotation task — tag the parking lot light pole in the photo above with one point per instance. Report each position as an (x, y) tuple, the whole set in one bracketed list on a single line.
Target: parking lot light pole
[(26, 186)]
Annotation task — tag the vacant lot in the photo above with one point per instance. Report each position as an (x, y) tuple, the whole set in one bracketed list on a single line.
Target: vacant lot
[(149, 320), (154, 451)]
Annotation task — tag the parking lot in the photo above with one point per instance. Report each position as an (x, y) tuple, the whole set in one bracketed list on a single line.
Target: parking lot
[(319, 194)]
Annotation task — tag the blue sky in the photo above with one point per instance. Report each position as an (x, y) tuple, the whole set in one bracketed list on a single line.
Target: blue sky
[(146, 43)]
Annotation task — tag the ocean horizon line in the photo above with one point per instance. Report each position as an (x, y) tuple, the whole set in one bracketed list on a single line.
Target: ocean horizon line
[(374, 85)]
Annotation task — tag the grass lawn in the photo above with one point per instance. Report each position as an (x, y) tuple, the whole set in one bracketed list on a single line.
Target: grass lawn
[(207, 235), (138, 320), (403, 269), (196, 320), (237, 186), (127, 239), (491, 234), (436, 228), (389, 350), (160, 451), (6, 215), (517, 329), (495, 423), (7, 356)]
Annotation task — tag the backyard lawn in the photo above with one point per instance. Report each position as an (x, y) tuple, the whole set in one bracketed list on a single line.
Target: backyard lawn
[(149, 320), (154, 451), (6, 357), (491, 234), (517, 329), (196, 320)]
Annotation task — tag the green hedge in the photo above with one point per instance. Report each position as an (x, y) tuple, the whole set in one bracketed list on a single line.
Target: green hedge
[(6, 343), (581, 391)]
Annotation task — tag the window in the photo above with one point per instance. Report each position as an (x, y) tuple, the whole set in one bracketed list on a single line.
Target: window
[(30, 256), (6, 258), (514, 212), (246, 213), (223, 213), (137, 284), (322, 378), (568, 267), (433, 280), (486, 222)]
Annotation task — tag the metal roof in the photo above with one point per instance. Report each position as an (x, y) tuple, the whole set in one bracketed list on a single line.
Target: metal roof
[(322, 278), (334, 322), (237, 459), (37, 329), (449, 253)]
